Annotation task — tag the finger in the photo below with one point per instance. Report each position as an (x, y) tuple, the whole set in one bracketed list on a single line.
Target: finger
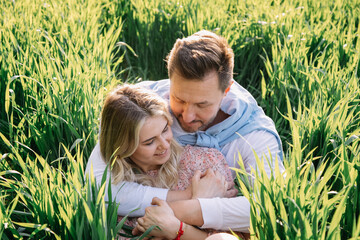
[(197, 175), (226, 185), (209, 172), (223, 179), (136, 230), (157, 201), (140, 221), (231, 184), (231, 193), (220, 178)]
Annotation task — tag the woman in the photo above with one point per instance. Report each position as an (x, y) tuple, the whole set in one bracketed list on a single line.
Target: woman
[(137, 142)]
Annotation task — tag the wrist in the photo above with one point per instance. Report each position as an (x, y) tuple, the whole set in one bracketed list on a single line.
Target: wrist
[(179, 195), (172, 232), (188, 193), (180, 231), (170, 228)]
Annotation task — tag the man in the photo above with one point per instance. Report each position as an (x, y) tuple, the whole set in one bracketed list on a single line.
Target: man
[(209, 110), (214, 111)]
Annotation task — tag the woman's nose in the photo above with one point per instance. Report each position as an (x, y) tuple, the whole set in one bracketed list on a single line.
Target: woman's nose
[(164, 142)]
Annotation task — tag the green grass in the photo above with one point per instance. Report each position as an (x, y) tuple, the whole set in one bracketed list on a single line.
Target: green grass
[(300, 59)]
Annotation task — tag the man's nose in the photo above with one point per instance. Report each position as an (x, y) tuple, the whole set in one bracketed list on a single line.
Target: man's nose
[(188, 114)]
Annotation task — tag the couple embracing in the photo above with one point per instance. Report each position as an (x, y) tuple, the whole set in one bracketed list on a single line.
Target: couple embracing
[(171, 144)]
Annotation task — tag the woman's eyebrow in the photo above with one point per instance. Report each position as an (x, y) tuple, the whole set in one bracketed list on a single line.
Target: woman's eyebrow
[(147, 140)]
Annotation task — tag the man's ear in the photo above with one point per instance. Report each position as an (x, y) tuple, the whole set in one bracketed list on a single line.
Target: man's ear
[(228, 88)]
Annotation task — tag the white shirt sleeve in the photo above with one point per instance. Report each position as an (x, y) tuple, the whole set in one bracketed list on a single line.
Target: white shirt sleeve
[(130, 195), (226, 213), (263, 143), (234, 213)]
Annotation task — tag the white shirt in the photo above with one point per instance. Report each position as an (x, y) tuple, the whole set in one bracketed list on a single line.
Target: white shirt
[(130, 195), (218, 213), (234, 213)]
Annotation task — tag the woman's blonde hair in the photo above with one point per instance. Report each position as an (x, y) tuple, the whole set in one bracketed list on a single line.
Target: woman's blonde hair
[(124, 112)]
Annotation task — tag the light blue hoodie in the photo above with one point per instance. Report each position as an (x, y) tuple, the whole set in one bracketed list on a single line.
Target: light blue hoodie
[(245, 116)]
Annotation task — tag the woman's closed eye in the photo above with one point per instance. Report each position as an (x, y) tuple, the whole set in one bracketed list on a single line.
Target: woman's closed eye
[(166, 128), (149, 142)]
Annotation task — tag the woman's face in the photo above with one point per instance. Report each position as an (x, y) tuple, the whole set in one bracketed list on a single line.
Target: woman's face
[(154, 145)]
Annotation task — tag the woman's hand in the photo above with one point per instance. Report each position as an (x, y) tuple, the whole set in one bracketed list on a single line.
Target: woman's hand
[(160, 215), (211, 184)]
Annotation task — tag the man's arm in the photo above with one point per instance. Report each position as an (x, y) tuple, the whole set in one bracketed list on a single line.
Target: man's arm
[(263, 143), (131, 195), (222, 213)]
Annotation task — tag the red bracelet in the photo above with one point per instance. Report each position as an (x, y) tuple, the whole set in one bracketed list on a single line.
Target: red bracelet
[(180, 232)]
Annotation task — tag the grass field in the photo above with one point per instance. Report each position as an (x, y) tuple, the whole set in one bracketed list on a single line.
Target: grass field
[(58, 58)]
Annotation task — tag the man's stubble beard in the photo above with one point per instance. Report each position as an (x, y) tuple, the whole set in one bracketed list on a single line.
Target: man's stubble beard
[(203, 126)]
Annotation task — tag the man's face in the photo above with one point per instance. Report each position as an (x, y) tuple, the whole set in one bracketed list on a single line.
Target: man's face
[(195, 103)]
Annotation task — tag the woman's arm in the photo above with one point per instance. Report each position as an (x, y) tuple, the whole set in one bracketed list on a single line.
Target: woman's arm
[(132, 195), (188, 211), (179, 195)]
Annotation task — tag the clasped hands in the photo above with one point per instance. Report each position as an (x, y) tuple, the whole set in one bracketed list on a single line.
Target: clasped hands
[(203, 185), (211, 184)]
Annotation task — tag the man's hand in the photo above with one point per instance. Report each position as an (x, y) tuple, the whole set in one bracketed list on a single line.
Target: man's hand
[(211, 184), (160, 215)]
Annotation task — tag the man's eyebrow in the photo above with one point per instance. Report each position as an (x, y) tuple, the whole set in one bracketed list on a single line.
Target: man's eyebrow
[(203, 102)]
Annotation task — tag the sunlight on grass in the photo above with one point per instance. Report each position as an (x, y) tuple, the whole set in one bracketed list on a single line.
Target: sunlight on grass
[(300, 59)]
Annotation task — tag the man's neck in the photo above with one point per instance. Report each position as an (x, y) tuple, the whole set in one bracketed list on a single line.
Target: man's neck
[(220, 116)]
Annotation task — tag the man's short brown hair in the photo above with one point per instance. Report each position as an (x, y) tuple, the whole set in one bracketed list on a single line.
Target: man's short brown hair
[(200, 53)]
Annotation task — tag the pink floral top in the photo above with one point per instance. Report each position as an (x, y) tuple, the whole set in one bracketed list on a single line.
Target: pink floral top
[(192, 159), (200, 158)]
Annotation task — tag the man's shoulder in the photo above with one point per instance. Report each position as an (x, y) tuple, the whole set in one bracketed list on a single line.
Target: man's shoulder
[(155, 85), (257, 139), (161, 87), (238, 94), (260, 137)]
